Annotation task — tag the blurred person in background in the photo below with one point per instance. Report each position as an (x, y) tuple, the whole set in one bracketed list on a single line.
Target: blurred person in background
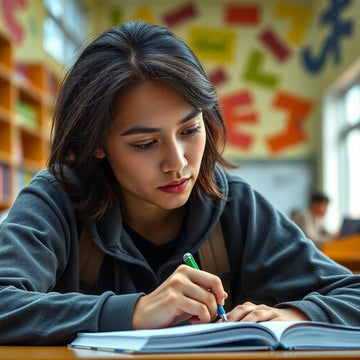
[(311, 220)]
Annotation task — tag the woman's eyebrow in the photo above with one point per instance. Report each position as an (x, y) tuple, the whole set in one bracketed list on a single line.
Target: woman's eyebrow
[(147, 130)]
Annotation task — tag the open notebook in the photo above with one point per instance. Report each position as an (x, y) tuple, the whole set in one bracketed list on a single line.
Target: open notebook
[(231, 336)]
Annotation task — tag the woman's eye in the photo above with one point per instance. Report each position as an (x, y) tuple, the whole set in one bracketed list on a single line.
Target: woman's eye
[(192, 131), (143, 147)]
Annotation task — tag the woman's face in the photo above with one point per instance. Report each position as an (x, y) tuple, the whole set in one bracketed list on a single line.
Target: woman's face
[(155, 146)]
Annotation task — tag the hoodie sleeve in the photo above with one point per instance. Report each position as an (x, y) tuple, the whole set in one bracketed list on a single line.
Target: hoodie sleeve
[(38, 245), (275, 264)]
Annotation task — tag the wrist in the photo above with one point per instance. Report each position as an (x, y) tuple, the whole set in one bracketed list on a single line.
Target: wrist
[(295, 314)]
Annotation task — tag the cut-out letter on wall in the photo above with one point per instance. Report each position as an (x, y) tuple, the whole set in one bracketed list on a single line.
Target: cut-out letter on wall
[(274, 44), (144, 13), (297, 110), (299, 15), (236, 109), (242, 14), (179, 15), (9, 8), (33, 27), (213, 44), (331, 46), (218, 76), (254, 71), (115, 15)]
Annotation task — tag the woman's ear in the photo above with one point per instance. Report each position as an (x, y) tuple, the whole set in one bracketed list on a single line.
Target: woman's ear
[(99, 153)]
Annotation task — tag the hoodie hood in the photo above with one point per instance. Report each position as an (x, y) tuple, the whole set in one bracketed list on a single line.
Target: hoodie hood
[(202, 216)]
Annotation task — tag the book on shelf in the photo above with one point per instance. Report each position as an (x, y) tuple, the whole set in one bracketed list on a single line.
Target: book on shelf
[(1, 183), (26, 114), (5, 190), (21, 73), (226, 336)]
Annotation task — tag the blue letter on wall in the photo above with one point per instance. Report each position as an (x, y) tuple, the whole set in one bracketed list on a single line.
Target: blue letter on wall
[(331, 47)]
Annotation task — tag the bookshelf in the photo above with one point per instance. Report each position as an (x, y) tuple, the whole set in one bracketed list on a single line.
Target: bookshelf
[(27, 93)]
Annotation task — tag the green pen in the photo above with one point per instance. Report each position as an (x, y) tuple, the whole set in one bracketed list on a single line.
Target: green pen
[(190, 261)]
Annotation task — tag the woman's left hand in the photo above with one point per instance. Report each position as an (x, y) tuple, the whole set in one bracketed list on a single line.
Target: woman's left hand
[(255, 313)]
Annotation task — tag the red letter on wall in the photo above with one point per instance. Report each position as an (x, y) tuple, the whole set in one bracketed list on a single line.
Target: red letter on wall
[(235, 111), (297, 110), (9, 8)]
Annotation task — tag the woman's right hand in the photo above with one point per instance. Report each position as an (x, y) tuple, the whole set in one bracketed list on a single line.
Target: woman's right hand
[(187, 294)]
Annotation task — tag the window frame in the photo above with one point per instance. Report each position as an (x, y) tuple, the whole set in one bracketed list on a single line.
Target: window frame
[(336, 131), (75, 38)]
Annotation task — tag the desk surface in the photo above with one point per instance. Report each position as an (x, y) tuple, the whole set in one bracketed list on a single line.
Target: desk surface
[(345, 251), (63, 353)]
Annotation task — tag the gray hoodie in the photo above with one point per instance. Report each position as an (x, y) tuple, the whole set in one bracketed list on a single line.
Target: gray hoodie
[(271, 260)]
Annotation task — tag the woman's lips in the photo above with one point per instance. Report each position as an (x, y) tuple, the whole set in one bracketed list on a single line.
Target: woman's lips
[(175, 187)]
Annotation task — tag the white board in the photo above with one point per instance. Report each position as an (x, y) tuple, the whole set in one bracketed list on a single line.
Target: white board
[(286, 184)]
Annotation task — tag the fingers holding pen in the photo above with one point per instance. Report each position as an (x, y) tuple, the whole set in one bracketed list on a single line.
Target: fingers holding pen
[(198, 287), (190, 261), (184, 295), (215, 284)]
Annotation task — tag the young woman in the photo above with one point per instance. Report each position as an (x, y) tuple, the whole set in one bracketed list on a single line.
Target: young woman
[(136, 159)]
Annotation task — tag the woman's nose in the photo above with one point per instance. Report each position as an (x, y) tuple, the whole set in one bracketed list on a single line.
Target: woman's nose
[(174, 158)]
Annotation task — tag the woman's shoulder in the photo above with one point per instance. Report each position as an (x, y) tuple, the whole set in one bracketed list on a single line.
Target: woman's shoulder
[(44, 194), (45, 176), (46, 185), (229, 178), (236, 182), (241, 190)]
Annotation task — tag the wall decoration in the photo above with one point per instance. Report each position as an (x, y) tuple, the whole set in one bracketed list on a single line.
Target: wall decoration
[(9, 9), (144, 13), (299, 15), (297, 110), (218, 76), (33, 26), (254, 70), (260, 55), (183, 13), (237, 110), (331, 45), (115, 16), (242, 14), (213, 44), (274, 44)]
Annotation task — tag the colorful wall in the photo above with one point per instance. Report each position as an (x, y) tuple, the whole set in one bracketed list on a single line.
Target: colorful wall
[(271, 60)]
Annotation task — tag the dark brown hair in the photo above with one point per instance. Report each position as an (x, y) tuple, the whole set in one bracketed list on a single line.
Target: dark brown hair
[(85, 108)]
